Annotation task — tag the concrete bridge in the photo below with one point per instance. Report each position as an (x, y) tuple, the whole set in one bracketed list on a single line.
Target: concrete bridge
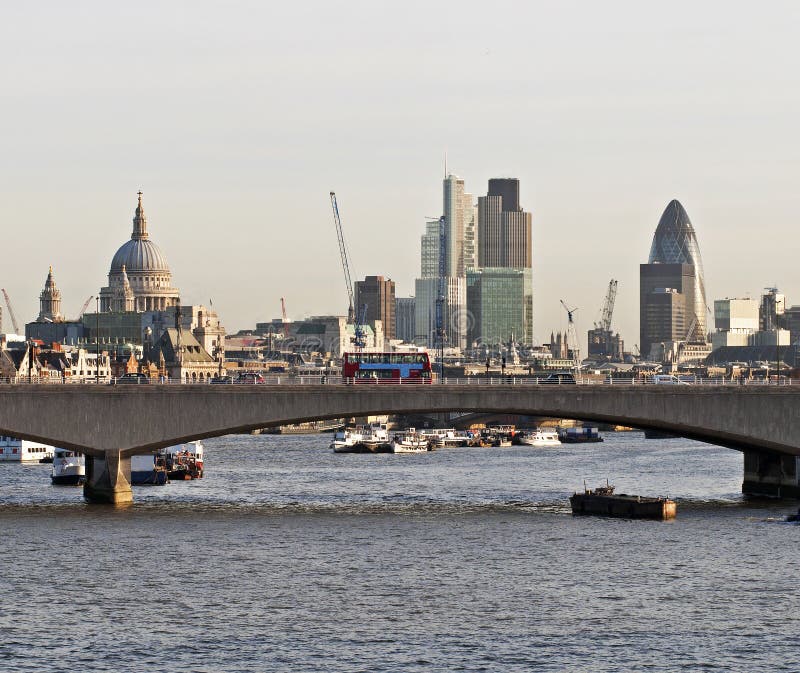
[(112, 423)]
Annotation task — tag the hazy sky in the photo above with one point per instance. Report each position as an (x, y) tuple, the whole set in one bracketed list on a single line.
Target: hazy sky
[(236, 119)]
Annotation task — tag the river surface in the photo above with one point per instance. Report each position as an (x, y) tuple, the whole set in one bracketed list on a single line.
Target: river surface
[(288, 557)]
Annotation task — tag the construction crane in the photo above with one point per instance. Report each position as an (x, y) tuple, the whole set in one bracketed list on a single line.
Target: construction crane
[(608, 307), (85, 306), (572, 337), (285, 321), (348, 281), (359, 339), (11, 313)]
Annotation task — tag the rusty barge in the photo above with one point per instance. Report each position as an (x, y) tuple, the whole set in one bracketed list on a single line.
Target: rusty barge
[(603, 501)]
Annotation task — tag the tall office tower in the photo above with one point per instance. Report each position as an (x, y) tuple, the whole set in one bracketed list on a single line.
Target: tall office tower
[(666, 305), (500, 290), (675, 242), (50, 301), (405, 318), (504, 229), (459, 223), (450, 240), (377, 294)]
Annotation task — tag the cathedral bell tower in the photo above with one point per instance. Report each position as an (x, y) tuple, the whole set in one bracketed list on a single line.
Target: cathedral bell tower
[(50, 301)]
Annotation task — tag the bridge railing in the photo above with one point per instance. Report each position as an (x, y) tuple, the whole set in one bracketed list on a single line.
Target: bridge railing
[(302, 380)]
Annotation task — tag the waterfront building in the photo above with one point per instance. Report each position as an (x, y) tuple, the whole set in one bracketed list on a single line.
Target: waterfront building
[(672, 299), (378, 295), (500, 306), (139, 278), (405, 329)]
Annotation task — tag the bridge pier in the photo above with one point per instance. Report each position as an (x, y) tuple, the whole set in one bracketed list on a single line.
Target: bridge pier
[(108, 479), (771, 475)]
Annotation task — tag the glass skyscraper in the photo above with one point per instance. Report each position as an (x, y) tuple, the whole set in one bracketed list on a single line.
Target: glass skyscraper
[(674, 272)]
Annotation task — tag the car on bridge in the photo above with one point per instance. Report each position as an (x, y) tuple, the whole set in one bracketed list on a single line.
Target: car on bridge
[(131, 377), (249, 377), (559, 378)]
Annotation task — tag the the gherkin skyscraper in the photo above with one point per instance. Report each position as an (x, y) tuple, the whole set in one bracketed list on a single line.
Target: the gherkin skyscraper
[(672, 288)]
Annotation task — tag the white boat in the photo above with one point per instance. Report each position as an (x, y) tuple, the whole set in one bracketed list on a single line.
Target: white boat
[(345, 440), (540, 438), (409, 442), (361, 439), (13, 449), (447, 437), (69, 468)]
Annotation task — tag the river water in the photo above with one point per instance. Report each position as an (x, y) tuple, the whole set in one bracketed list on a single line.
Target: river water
[(288, 557)]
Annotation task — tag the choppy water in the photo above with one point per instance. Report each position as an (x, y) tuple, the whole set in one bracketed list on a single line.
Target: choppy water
[(287, 557)]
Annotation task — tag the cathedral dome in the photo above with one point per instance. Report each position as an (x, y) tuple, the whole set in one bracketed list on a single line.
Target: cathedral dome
[(139, 254)]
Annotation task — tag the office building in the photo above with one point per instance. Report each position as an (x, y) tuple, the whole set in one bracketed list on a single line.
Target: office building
[(504, 230), (405, 319), (377, 294), (672, 298), (500, 305)]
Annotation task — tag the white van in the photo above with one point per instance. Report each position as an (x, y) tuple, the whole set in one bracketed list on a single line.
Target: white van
[(668, 379)]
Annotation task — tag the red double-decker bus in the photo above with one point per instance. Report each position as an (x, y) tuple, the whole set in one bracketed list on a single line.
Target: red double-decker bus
[(386, 368)]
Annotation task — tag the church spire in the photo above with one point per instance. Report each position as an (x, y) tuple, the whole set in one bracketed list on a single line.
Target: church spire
[(140, 222)]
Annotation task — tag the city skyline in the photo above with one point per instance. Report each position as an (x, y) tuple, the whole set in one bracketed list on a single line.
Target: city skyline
[(229, 177)]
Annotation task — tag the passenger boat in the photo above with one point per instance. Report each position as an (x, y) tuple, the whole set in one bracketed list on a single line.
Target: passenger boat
[(69, 468), (539, 438), (409, 441), (13, 449), (604, 502), (447, 437), (345, 440), (579, 435), (184, 461), (373, 438)]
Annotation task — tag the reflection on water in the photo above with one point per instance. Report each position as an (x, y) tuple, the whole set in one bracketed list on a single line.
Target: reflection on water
[(288, 557)]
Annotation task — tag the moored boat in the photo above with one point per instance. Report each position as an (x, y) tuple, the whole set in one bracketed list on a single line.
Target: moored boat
[(373, 438), (184, 461), (539, 438), (69, 468), (579, 435), (409, 441), (13, 449), (149, 470), (604, 502)]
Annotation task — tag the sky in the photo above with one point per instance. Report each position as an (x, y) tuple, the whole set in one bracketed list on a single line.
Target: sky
[(237, 119)]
